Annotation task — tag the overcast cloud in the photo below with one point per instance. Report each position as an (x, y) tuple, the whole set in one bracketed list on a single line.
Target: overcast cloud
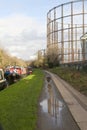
[(22, 35), (23, 25)]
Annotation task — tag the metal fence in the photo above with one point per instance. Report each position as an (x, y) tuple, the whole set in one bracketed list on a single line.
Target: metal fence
[(66, 23)]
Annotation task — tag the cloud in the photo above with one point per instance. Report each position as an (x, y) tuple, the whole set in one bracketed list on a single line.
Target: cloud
[(22, 36)]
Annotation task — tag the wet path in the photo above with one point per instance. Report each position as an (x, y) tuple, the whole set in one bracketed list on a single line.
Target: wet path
[(53, 112)]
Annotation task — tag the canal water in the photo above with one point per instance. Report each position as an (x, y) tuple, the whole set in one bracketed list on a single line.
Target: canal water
[(53, 113)]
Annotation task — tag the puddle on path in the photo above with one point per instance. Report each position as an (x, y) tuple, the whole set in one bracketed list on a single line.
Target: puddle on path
[(53, 113), (51, 104)]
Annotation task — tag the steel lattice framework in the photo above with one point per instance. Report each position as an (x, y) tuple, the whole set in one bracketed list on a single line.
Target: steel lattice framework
[(66, 23)]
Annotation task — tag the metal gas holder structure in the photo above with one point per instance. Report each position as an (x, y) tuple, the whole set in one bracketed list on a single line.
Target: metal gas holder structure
[(66, 33)]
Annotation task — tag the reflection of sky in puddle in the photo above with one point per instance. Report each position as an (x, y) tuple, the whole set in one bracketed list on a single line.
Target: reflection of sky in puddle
[(44, 105), (52, 107), (54, 113), (51, 104)]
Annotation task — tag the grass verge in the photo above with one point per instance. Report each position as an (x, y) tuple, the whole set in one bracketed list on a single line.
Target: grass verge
[(19, 103), (78, 79)]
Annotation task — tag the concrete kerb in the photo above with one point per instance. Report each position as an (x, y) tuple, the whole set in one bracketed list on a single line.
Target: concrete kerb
[(76, 102)]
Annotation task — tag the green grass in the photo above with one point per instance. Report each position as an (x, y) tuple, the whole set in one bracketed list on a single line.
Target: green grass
[(19, 103), (78, 79)]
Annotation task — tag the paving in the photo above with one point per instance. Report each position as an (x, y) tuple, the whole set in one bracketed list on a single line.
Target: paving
[(76, 102), (53, 112)]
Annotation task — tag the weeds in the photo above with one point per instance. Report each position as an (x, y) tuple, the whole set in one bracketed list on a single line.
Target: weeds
[(78, 79)]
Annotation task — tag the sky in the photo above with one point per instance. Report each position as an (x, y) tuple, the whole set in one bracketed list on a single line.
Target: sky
[(23, 26)]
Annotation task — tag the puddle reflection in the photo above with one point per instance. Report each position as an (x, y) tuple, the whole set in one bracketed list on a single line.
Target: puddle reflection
[(52, 105), (54, 114)]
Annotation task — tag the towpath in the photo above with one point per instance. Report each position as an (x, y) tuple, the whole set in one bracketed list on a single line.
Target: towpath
[(61, 107)]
